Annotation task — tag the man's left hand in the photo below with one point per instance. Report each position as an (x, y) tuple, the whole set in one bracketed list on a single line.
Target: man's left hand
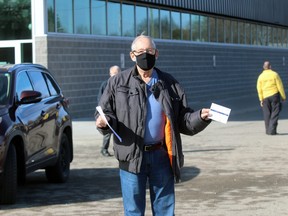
[(205, 114)]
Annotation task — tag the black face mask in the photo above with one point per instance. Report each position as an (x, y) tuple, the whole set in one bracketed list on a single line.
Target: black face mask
[(145, 61)]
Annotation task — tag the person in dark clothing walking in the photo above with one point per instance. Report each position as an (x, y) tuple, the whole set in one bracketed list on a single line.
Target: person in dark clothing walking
[(270, 92), (106, 137)]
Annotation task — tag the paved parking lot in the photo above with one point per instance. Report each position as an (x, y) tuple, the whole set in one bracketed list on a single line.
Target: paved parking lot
[(230, 169)]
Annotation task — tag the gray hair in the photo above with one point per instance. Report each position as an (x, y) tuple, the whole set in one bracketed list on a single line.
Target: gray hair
[(142, 36), (114, 70)]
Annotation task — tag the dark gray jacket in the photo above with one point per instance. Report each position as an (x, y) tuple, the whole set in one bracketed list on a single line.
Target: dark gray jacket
[(101, 89), (124, 104)]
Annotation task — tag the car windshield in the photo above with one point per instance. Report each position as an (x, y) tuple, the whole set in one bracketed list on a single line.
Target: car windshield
[(4, 87)]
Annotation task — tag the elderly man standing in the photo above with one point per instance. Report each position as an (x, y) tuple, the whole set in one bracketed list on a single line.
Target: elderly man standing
[(148, 109), (270, 92)]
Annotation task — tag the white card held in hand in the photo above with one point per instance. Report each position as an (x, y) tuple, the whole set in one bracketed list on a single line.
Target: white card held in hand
[(219, 113), (99, 109)]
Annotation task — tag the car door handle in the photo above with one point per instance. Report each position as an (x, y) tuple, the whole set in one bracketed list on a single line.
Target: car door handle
[(58, 106)]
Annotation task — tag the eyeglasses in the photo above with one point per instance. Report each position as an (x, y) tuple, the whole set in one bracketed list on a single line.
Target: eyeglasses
[(151, 51)]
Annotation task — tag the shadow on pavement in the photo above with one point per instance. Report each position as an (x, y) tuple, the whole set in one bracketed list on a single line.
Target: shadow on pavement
[(208, 150), (84, 185), (189, 173)]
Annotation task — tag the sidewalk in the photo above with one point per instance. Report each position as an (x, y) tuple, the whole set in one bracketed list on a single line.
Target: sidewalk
[(230, 169)]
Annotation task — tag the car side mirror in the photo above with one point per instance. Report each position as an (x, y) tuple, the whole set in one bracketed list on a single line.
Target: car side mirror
[(29, 96)]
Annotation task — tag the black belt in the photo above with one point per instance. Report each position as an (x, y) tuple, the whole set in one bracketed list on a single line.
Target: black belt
[(153, 147)]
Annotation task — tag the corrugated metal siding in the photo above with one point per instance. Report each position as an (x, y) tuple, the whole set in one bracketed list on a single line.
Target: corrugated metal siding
[(269, 11), (191, 64)]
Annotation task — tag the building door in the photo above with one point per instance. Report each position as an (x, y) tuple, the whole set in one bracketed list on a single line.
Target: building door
[(15, 52)]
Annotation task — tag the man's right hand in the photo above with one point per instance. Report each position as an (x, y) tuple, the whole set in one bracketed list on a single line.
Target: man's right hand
[(100, 123)]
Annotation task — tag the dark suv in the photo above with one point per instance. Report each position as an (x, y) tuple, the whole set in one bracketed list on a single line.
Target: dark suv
[(35, 128)]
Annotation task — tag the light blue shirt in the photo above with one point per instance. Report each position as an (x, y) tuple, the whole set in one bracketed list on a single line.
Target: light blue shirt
[(155, 119)]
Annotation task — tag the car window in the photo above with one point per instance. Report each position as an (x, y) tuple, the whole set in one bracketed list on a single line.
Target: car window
[(52, 86), (22, 83), (39, 83), (4, 88)]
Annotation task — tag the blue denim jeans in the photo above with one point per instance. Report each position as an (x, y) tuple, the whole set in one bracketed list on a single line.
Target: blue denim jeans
[(155, 170)]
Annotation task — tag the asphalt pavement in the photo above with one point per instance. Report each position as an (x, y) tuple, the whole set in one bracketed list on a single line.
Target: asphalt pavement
[(230, 169)]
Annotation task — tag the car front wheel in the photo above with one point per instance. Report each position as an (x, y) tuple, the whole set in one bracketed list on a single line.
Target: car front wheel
[(59, 173)]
